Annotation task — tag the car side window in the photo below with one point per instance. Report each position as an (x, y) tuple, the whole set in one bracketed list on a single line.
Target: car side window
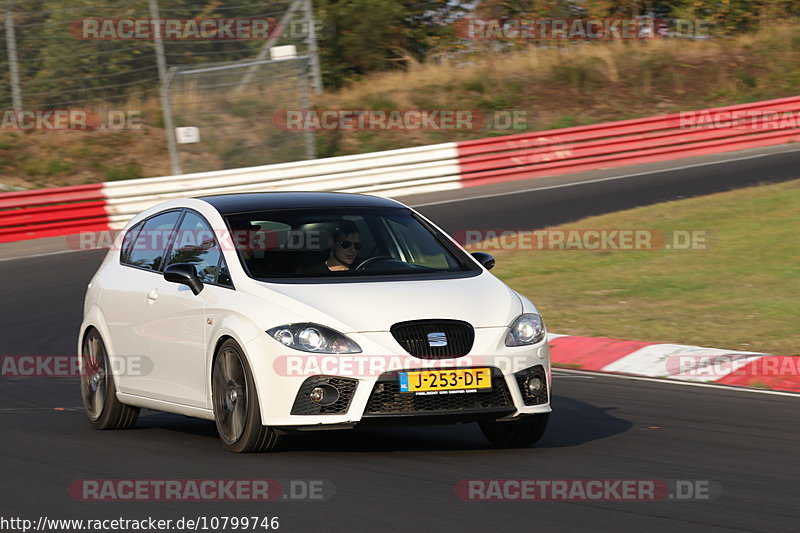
[(151, 242), (195, 244), (128, 242), (224, 275)]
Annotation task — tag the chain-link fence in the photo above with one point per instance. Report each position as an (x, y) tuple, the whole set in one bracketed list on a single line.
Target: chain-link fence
[(114, 56), (233, 106)]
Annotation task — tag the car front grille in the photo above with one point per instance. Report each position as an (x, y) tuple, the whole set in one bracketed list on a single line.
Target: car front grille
[(434, 339), (386, 399), (304, 406)]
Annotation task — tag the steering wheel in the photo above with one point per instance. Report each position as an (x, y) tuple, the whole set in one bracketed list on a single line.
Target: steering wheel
[(372, 260)]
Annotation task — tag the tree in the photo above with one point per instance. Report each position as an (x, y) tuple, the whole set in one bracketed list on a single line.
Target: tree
[(373, 35)]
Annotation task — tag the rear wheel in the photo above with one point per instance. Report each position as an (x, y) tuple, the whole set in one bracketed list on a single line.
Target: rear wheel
[(518, 434), (98, 390), (236, 407)]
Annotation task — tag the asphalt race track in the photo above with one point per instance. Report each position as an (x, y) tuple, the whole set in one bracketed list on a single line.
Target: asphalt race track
[(401, 479)]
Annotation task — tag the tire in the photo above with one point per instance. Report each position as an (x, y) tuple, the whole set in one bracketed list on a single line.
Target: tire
[(236, 407), (98, 391), (519, 434)]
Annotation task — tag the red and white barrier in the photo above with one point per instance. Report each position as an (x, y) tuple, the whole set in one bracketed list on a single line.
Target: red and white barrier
[(676, 361), (628, 142), (69, 210), (52, 212)]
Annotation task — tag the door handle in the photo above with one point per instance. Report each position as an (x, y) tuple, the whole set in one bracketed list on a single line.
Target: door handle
[(152, 295)]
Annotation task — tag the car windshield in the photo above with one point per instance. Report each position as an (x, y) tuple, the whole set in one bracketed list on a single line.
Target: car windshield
[(342, 242)]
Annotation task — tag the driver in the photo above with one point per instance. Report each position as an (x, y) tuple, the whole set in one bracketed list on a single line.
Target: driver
[(244, 234), (344, 247)]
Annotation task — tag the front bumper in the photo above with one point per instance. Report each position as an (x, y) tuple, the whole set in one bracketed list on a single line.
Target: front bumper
[(369, 389)]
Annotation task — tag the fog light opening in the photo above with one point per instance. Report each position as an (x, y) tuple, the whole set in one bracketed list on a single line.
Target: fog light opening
[(534, 385), (324, 394)]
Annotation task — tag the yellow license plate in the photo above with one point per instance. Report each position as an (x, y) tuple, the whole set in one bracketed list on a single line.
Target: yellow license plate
[(433, 381)]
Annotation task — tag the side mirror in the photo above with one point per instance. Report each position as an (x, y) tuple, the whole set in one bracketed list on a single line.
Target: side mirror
[(184, 274), (486, 260)]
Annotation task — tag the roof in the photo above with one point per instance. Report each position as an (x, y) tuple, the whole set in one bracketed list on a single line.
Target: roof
[(228, 204)]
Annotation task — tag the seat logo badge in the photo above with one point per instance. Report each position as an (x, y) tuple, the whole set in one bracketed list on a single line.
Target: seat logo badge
[(437, 339)]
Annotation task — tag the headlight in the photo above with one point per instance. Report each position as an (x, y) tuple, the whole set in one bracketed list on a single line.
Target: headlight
[(526, 329), (313, 338)]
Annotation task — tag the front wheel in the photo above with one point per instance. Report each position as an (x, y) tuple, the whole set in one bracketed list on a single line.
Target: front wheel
[(517, 434), (98, 391), (236, 407)]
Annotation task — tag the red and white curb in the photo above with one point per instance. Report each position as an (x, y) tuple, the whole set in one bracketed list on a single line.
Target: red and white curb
[(677, 362)]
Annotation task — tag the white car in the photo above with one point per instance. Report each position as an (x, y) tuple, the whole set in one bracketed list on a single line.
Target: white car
[(278, 312)]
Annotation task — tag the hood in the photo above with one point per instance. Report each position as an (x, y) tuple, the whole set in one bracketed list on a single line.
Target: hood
[(483, 301)]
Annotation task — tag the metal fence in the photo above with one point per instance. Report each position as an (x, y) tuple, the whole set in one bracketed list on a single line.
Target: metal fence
[(226, 87), (232, 108)]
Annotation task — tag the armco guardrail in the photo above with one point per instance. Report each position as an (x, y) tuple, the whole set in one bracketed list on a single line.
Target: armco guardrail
[(52, 212), (69, 210), (392, 172), (628, 142)]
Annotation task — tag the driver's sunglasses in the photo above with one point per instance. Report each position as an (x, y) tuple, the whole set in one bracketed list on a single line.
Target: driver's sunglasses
[(347, 244)]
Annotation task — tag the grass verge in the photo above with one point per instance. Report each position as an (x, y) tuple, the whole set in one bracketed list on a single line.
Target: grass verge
[(739, 293)]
